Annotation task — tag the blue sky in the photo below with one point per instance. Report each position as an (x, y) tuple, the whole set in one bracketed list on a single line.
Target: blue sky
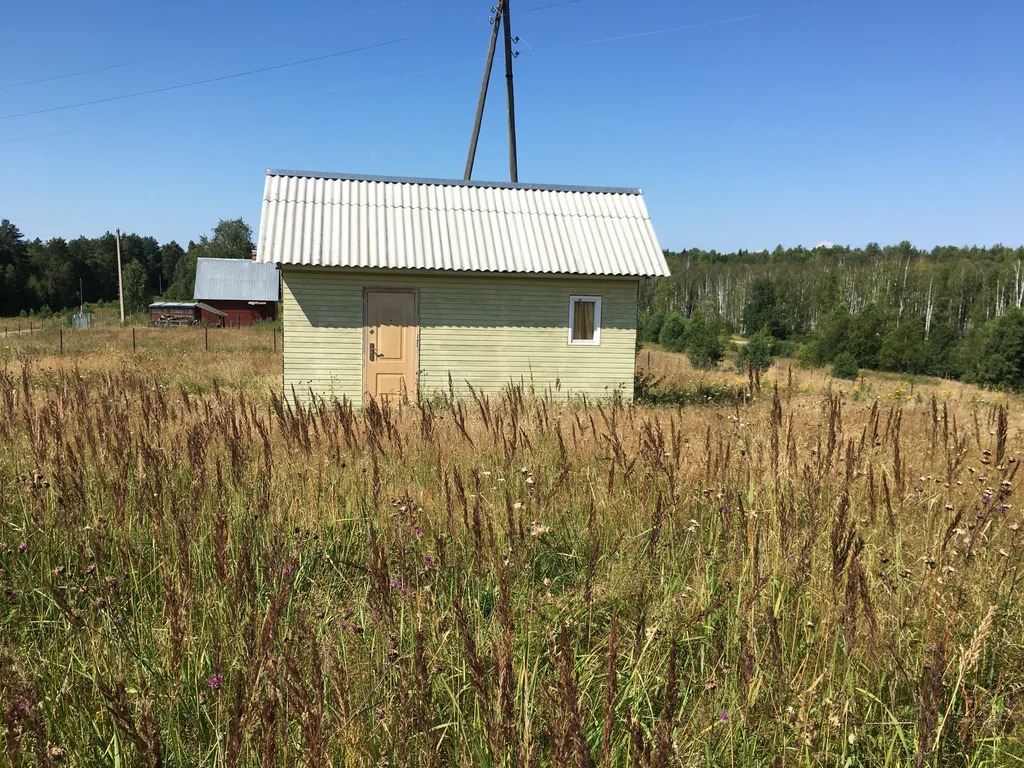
[(748, 123)]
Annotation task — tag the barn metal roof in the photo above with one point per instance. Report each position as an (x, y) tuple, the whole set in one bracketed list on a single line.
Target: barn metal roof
[(345, 220), (236, 280)]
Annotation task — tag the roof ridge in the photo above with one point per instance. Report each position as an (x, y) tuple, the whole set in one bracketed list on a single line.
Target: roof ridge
[(455, 182)]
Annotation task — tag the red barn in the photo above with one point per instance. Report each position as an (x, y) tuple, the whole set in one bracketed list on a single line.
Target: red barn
[(245, 291), (185, 313)]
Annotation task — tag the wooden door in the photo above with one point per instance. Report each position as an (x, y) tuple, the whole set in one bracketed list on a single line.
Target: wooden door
[(390, 344)]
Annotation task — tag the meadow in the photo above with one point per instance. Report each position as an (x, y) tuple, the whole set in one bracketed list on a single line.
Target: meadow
[(198, 570)]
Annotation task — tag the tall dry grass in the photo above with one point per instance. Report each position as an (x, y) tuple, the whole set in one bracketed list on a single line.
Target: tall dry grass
[(228, 578)]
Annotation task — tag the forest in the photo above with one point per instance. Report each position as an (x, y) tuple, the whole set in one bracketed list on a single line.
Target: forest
[(951, 312), (38, 277)]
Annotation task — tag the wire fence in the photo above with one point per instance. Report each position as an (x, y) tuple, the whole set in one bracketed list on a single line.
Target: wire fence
[(42, 337)]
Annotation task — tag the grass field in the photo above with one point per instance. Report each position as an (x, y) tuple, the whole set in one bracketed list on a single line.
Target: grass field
[(195, 571)]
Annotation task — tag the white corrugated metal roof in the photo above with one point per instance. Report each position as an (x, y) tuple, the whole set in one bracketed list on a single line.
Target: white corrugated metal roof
[(236, 280), (383, 222)]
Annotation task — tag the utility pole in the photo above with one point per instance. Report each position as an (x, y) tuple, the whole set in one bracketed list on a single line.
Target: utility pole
[(120, 286), (81, 298), (513, 162), (483, 91)]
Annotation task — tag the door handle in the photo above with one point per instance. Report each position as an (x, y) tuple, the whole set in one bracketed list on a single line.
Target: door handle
[(373, 352)]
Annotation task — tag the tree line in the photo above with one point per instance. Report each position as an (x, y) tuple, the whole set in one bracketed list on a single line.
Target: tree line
[(39, 276), (950, 312)]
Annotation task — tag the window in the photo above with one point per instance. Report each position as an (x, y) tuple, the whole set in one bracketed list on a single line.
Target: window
[(585, 320)]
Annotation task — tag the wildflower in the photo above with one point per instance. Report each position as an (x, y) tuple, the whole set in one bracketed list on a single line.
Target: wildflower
[(395, 584), (23, 547), (723, 716), (537, 529), (418, 530), (216, 681), (287, 570), (24, 705)]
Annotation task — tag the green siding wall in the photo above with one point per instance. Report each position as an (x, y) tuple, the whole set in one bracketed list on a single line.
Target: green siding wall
[(486, 329)]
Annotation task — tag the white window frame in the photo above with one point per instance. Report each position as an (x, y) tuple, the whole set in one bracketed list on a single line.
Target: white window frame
[(596, 341)]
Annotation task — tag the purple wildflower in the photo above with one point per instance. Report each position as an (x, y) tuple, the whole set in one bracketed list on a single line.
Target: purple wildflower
[(1002, 509), (216, 681), (418, 530), (287, 570), (395, 584), (24, 705), (23, 547), (724, 716)]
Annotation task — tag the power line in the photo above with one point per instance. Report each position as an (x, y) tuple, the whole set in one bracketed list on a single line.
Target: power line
[(260, 70), (71, 74), (55, 226), (221, 78), (40, 136), (698, 25)]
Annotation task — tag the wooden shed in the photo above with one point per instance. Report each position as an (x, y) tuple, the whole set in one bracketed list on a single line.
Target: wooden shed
[(185, 313), (393, 286), (245, 291)]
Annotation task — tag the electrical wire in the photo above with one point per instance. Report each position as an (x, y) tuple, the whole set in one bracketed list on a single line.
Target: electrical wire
[(55, 226), (698, 25), (260, 70), (40, 136), (71, 74)]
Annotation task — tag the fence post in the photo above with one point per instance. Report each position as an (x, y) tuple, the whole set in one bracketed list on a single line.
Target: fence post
[(61, 332), (275, 339), (207, 330), (133, 339)]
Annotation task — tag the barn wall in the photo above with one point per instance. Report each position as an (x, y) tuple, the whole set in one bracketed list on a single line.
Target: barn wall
[(243, 313), (482, 328)]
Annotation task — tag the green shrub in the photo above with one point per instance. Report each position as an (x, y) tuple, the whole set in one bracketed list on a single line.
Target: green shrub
[(756, 353), (672, 335), (649, 326), (701, 393), (704, 346), (784, 348), (844, 366)]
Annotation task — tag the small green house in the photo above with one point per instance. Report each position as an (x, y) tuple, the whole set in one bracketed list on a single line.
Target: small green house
[(394, 286)]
